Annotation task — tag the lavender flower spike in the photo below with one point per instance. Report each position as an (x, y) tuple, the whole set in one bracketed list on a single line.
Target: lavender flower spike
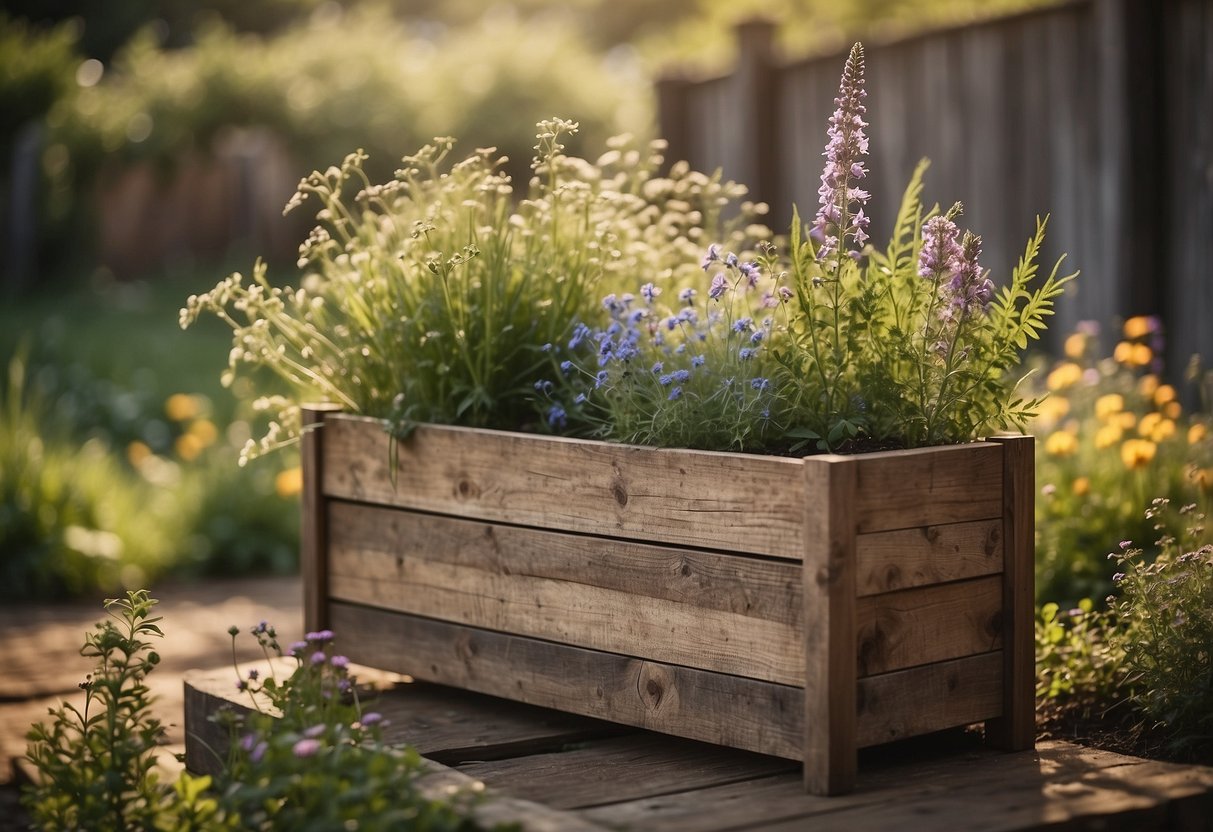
[(940, 255), (843, 153), (970, 288)]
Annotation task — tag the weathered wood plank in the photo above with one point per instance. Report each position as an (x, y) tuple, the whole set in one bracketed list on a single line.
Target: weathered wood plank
[(905, 703), (624, 768), (422, 581), (731, 502), (312, 549), (1016, 729), (713, 707), (928, 486), (1063, 786), (829, 626), (929, 624), (906, 558), (756, 588)]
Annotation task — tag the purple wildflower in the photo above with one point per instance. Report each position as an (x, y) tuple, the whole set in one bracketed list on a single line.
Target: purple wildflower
[(1125, 544), (682, 375), (258, 751), (687, 295), (719, 285), (253, 674), (649, 291), (970, 288), (371, 718), (750, 272), (941, 254), (580, 333), (697, 361), (745, 353), (601, 378), (743, 324), (658, 367), (557, 418), (665, 380), (306, 748), (760, 383), (847, 144), (318, 657), (339, 662), (320, 637), (711, 257), (314, 731), (297, 648), (566, 366), (756, 338), (675, 394)]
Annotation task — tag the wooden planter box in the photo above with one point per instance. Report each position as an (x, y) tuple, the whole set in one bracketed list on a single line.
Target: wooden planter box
[(802, 608)]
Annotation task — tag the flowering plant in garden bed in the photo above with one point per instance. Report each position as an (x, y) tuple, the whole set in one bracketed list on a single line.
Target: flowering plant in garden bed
[(1114, 437), (307, 757), (436, 298)]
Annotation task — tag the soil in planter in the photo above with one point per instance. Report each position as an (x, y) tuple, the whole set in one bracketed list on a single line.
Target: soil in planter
[(1122, 730)]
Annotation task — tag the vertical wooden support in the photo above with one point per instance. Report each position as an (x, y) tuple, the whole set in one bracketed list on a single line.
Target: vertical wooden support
[(754, 113), (313, 549), (673, 119), (831, 682), (1016, 729)]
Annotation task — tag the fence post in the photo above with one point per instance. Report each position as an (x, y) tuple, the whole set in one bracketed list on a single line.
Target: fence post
[(672, 115), (758, 160)]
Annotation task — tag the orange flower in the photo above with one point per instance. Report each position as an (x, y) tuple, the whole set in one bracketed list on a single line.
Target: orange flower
[(205, 431), (1164, 430), (1109, 405), (1107, 436), (1148, 384), (1137, 453), (1081, 486), (1125, 420), (1061, 443), (1065, 374), (181, 406), (188, 446), (1172, 410), (1148, 422), (1076, 345), (288, 483), (1164, 394), (1197, 432), (136, 452), (1139, 326), (1053, 408)]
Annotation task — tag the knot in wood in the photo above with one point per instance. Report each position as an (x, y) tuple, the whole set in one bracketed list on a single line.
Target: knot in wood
[(465, 489), (619, 493), (992, 539)]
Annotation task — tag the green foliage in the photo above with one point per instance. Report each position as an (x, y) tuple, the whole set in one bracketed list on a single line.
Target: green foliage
[(430, 298), (1164, 613), (36, 69), (1078, 669), (1112, 435), (72, 519), (308, 756), (96, 765)]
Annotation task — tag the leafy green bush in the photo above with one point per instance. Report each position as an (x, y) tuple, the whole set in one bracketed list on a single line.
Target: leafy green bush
[(36, 70), (1112, 436)]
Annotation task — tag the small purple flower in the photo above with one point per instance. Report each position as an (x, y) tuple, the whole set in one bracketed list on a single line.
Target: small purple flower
[(687, 295), (720, 285), (314, 731), (940, 254), (750, 272), (306, 748), (675, 394), (543, 386), (241, 685), (546, 347), (297, 648), (601, 378), (557, 418), (745, 353), (1125, 544), (580, 399), (649, 291), (743, 324), (730, 260), (682, 376), (658, 367), (253, 674), (756, 338), (610, 303), (1118, 577), (785, 293), (371, 718), (580, 333), (566, 366), (697, 360), (665, 380), (711, 257), (671, 323), (248, 741), (339, 662), (320, 637), (760, 383), (318, 657), (258, 751)]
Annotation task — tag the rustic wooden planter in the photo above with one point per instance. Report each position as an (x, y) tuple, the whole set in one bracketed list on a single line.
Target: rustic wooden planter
[(802, 608)]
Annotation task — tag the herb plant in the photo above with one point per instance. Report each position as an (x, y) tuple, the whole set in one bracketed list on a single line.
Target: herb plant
[(429, 298), (833, 344)]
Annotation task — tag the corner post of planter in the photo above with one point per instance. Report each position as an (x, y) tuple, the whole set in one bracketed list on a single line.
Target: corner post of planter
[(313, 538), (1015, 730), (831, 674)]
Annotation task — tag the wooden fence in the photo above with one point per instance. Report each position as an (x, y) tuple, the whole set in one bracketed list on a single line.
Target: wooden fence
[(1096, 112)]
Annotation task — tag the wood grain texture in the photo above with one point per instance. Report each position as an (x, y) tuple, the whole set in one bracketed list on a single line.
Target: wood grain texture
[(701, 499), (829, 625), (313, 545), (451, 571), (888, 561), (753, 587), (929, 624), (1016, 729), (906, 703), (928, 486), (713, 707), (619, 769)]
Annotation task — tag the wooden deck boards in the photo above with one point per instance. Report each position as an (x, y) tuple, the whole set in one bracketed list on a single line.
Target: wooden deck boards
[(554, 771)]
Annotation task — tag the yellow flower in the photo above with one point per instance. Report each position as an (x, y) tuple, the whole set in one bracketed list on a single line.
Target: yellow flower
[(288, 483), (1053, 408), (1148, 384), (1109, 405), (1066, 374), (136, 452), (1061, 443), (1076, 345), (1197, 432), (1203, 477), (1081, 486), (1142, 355), (1125, 420), (1164, 430), (188, 446), (181, 406), (1148, 422), (1107, 436), (1123, 352), (205, 431), (1137, 327), (1172, 410), (1164, 394), (1137, 453)]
